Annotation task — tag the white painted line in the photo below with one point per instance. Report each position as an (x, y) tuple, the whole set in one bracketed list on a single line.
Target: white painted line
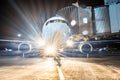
[(61, 76)]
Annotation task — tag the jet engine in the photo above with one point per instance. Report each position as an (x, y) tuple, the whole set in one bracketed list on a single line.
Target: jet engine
[(85, 47), (25, 47)]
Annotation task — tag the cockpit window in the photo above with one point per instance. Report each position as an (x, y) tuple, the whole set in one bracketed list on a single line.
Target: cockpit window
[(57, 20)]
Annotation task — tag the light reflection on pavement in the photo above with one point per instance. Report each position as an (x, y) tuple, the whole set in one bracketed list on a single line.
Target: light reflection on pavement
[(90, 69), (72, 68), (35, 69)]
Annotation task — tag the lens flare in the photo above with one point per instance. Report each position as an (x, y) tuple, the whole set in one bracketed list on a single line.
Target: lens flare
[(73, 23), (69, 43), (50, 50), (40, 43)]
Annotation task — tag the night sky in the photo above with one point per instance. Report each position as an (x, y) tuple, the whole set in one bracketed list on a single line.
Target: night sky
[(27, 16)]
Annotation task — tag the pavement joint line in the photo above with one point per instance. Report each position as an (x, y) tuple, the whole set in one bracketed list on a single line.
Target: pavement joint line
[(61, 76)]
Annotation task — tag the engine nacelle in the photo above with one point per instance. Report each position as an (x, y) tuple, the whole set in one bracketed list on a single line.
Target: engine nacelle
[(85, 47), (25, 47)]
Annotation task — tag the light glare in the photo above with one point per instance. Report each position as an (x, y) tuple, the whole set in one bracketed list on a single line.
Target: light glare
[(69, 43), (19, 35), (73, 23), (42, 43), (50, 50), (85, 32), (85, 20)]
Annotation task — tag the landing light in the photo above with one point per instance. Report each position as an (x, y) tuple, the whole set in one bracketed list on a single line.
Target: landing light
[(69, 43), (50, 50)]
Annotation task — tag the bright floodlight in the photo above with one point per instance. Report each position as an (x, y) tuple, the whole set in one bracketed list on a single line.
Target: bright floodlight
[(85, 20), (73, 22), (85, 32), (41, 43), (69, 43), (19, 35)]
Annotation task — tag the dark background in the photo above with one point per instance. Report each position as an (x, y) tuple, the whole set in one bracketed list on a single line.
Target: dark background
[(12, 22)]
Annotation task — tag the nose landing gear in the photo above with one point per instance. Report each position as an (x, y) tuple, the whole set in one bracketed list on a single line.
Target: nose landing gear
[(58, 60)]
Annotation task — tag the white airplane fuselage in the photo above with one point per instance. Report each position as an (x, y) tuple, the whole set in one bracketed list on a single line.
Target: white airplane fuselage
[(55, 31)]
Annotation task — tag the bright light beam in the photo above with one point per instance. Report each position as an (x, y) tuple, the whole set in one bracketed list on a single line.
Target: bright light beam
[(50, 50), (69, 43), (28, 18)]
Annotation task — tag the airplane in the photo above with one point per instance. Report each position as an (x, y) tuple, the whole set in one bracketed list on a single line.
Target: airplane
[(55, 37)]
